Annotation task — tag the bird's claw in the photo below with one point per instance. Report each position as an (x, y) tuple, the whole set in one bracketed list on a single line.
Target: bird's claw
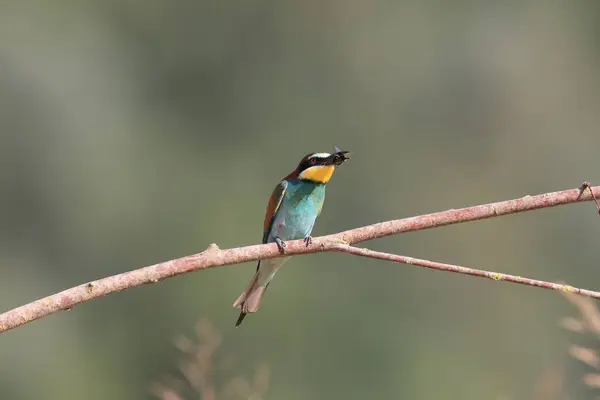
[(308, 240), (280, 244)]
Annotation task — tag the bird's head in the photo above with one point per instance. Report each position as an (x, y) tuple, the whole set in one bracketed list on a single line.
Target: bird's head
[(319, 167)]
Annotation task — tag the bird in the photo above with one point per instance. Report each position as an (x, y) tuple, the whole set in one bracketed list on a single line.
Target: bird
[(292, 210)]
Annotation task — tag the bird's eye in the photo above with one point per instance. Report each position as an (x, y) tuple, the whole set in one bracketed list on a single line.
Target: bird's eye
[(313, 161)]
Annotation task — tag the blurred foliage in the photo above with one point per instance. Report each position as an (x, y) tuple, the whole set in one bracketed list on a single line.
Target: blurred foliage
[(200, 363), (586, 332), (134, 132)]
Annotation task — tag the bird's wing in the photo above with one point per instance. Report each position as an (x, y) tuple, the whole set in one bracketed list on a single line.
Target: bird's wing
[(273, 206)]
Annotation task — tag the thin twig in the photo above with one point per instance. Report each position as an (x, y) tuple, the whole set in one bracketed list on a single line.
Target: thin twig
[(588, 185), (214, 257), (496, 276)]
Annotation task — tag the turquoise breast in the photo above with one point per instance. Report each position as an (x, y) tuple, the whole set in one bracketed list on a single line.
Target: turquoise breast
[(299, 209)]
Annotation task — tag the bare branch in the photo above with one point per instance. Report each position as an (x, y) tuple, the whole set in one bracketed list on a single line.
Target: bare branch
[(215, 257), (496, 276)]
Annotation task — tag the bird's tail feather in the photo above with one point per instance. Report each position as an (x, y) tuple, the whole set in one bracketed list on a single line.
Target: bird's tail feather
[(249, 301)]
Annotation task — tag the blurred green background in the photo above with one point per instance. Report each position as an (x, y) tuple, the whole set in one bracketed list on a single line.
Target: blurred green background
[(135, 132)]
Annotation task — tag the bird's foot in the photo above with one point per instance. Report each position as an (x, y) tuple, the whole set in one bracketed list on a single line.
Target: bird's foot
[(308, 240), (280, 244)]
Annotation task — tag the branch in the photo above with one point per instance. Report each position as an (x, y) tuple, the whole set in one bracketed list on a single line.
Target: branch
[(214, 257), (362, 252)]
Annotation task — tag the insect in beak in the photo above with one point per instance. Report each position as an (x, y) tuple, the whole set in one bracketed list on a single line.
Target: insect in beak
[(339, 156)]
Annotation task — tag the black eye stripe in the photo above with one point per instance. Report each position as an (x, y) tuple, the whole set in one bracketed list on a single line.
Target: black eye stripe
[(311, 160)]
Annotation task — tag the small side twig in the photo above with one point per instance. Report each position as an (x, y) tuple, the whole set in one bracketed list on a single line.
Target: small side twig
[(588, 185), (495, 276)]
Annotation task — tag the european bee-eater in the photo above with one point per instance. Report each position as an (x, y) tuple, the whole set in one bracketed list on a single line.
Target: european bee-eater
[(292, 211)]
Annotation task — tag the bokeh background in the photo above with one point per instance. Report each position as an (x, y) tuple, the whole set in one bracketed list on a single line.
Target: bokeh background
[(135, 132)]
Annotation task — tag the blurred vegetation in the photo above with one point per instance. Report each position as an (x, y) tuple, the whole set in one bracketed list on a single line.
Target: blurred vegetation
[(585, 332), (134, 132), (200, 361)]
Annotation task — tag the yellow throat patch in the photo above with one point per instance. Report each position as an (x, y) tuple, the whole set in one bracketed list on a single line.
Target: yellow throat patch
[(318, 173)]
